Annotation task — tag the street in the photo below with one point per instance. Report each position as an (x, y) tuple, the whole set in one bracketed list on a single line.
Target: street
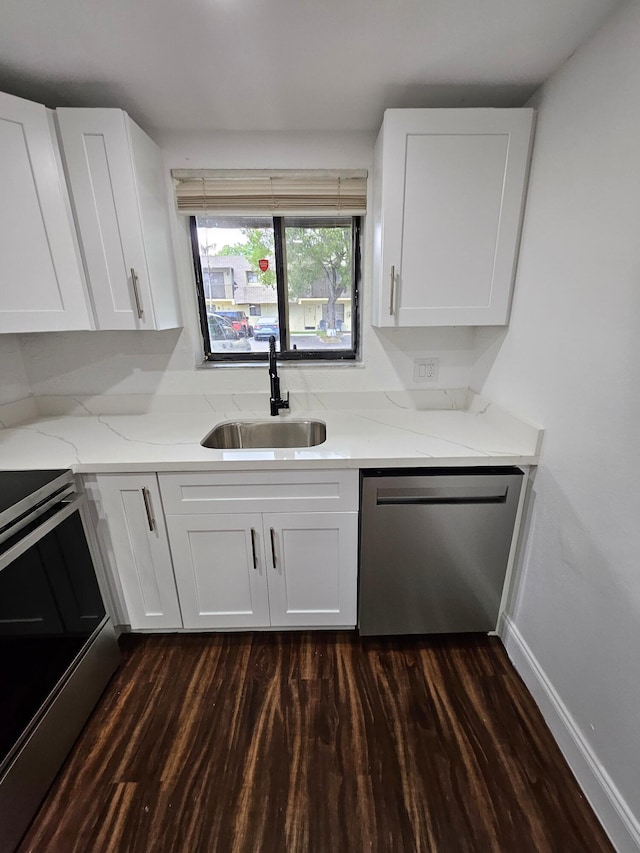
[(306, 342)]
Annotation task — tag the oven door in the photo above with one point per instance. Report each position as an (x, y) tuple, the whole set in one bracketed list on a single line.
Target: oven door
[(57, 652)]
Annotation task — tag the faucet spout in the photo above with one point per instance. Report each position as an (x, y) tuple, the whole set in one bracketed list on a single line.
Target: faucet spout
[(275, 400)]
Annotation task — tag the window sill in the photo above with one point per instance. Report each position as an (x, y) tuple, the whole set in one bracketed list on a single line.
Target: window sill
[(287, 365)]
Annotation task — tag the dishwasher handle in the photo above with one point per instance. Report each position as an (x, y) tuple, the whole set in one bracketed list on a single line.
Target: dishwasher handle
[(442, 495)]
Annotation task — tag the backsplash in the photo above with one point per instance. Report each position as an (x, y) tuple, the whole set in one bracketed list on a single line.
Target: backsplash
[(101, 363), (14, 384), (141, 404), (61, 405)]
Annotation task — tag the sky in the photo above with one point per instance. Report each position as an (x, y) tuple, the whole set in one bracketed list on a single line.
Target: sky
[(219, 237)]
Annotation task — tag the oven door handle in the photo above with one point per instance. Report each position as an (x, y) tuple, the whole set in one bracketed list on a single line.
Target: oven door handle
[(34, 536)]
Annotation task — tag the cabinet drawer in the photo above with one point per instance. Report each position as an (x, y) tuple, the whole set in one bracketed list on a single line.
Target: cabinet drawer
[(260, 491)]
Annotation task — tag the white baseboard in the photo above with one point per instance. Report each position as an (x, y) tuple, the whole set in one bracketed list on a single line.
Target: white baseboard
[(617, 819)]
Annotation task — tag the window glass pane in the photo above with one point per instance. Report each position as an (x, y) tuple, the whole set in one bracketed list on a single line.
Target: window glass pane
[(237, 257), (319, 283), (290, 277), (223, 337)]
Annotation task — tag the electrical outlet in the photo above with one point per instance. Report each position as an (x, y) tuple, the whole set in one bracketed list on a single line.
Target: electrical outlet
[(425, 369)]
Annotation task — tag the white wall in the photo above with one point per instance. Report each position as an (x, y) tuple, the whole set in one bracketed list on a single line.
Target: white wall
[(571, 361), (87, 363), (14, 383)]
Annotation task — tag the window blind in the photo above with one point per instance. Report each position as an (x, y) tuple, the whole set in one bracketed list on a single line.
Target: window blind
[(279, 193)]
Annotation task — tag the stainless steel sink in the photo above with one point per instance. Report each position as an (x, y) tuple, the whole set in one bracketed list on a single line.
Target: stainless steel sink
[(271, 433)]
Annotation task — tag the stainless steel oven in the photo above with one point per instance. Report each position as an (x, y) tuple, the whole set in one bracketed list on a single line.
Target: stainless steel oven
[(57, 645)]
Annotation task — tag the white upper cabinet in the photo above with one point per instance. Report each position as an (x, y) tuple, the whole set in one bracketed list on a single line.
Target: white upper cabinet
[(42, 285), (449, 189), (118, 190)]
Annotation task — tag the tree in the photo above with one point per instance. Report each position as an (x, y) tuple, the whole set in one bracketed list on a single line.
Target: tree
[(258, 245), (313, 254), (321, 253)]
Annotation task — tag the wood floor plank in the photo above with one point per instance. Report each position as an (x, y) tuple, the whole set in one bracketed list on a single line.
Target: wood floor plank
[(317, 742)]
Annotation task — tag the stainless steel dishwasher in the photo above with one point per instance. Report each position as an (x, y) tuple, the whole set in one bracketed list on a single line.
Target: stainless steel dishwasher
[(434, 546)]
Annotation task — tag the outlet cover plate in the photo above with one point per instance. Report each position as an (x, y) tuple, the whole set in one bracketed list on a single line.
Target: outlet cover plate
[(425, 369)]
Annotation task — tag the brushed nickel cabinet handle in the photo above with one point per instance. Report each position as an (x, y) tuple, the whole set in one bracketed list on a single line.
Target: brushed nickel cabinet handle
[(147, 505), (136, 293), (392, 291), (253, 549), (273, 547)]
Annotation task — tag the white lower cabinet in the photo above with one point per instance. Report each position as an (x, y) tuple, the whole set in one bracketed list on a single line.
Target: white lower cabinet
[(312, 574), (244, 559), (219, 583), (279, 569), (135, 541), (230, 553)]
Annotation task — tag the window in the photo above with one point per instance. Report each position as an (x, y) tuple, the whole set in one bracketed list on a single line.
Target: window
[(289, 243), (213, 281), (304, 293)]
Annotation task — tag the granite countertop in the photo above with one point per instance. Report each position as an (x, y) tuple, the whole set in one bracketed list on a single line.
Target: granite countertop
[(385, 432)]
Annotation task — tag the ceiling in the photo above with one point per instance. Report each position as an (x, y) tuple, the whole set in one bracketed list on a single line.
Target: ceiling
[(285, 64)]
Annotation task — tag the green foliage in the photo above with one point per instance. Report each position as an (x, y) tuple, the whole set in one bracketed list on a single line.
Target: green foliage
[(315, 254), (259, 245), (320, 254)]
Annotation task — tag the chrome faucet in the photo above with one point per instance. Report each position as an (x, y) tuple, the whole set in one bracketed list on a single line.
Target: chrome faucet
[(275, 401)]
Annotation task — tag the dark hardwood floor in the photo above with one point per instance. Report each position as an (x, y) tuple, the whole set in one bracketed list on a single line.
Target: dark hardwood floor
[(324, 742)]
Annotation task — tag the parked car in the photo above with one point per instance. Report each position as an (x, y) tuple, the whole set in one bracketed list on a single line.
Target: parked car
[(220, 328), (239, 321), (227, 326), (223, 336), (266, 326)]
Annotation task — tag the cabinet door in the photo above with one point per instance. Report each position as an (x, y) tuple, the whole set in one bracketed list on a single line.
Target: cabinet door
[(220, 570), (448, 207), (139, 549), (312, 560), (115, 177), (43, 287)]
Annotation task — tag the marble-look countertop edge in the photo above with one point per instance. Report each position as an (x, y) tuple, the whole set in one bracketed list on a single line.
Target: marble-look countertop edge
[(355, 439), (305, 464)]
